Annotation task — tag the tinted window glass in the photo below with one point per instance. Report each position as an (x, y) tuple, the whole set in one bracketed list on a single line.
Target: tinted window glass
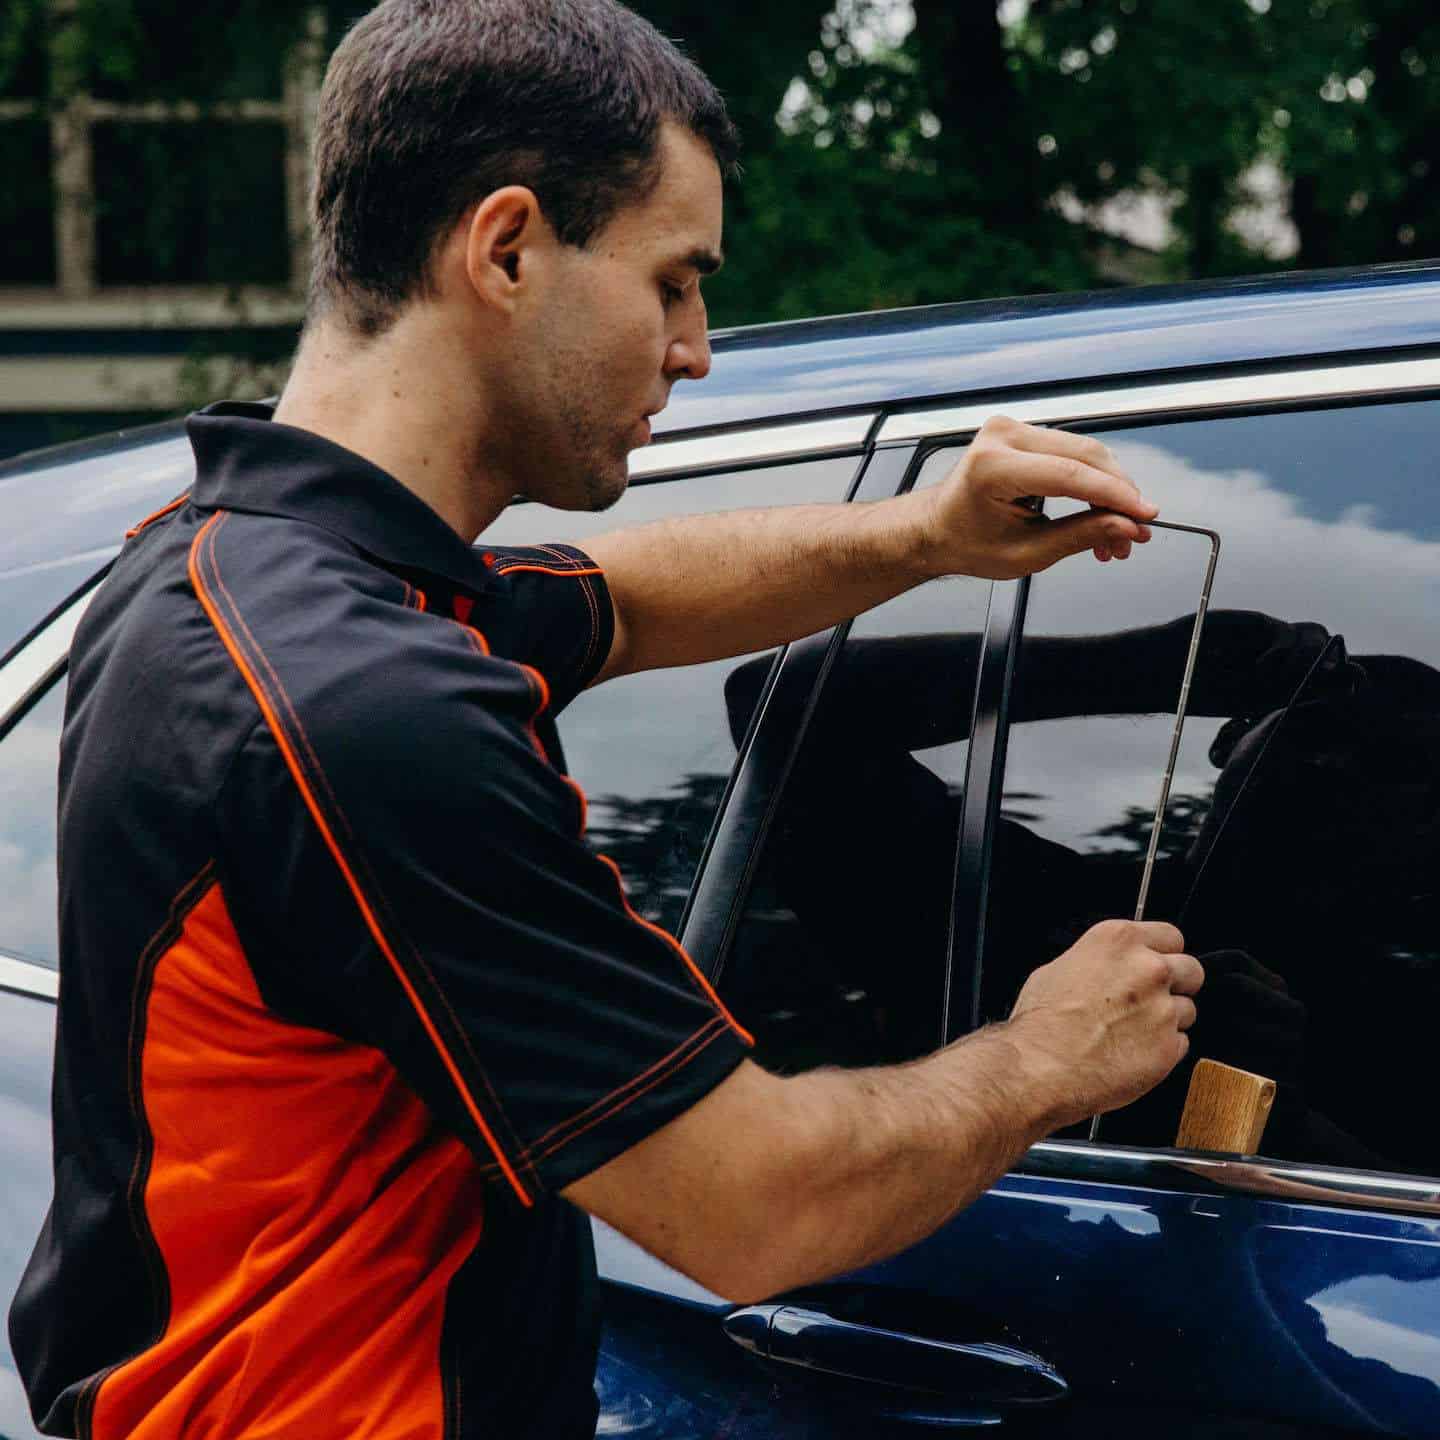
[(29, 756), (27, 1028), (653, 751), (840, 957), (27, 596), (1302, 847)]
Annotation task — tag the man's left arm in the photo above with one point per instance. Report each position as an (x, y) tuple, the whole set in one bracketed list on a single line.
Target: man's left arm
[(709, 586)]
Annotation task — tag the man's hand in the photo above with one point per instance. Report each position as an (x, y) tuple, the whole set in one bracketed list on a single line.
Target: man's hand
[(1107, 1020), (769, 1183), (707, 586), (976, 524)]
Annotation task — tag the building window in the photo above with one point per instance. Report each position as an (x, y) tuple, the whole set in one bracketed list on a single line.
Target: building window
[(120, 178)]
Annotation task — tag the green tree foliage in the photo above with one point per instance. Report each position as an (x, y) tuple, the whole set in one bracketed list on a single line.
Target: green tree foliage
[(943, 167), (964, 153), (1340, 96)]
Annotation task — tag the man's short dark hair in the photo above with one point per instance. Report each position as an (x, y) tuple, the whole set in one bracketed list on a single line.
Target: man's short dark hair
[(429, 105)]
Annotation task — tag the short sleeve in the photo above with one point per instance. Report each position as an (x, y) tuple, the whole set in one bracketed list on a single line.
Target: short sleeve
[(442, 903), (554, 613)]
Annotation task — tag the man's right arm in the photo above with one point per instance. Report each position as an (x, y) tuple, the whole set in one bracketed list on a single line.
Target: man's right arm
[(770, 1182)]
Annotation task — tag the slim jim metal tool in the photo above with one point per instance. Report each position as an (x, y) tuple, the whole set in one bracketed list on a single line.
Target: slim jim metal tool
[(1162, 805)]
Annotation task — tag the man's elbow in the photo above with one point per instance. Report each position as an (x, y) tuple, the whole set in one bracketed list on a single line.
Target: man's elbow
[(747, 1274)]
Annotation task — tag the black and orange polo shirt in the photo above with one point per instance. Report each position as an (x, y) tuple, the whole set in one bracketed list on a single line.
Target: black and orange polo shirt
[(345, 999)]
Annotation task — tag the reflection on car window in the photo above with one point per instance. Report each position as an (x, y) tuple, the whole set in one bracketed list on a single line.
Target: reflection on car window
[(29, 757), (28, 595), (840, 955), (653, 751), (1301, 854)]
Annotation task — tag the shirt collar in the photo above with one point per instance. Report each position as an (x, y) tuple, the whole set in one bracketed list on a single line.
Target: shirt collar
[(246, 460)]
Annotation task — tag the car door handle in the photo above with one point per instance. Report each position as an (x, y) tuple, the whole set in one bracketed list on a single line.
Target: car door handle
[(814, 1341)]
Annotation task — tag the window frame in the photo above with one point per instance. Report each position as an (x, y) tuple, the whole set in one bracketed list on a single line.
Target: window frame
[(1154, 401), (730, 859), (73, 118)]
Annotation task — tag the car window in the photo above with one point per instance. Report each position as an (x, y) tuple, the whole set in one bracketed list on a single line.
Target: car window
[(29, 757), (29, 594), (653, 751), (840, 955), (1301, 855)]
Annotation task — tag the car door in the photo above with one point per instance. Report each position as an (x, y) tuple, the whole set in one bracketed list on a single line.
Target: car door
[(1119, 1287), (1296, 1291), (32, 692), (830, 936)]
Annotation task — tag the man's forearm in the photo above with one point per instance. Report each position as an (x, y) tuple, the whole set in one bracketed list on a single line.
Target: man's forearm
[(889, 1155), (709, 586), (705, 587), (769, 1183)]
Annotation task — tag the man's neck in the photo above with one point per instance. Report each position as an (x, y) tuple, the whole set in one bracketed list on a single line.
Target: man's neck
[(391, 401)]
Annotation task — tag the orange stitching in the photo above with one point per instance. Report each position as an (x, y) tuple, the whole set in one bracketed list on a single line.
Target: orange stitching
[(160, 514), (586, 568), (292, 762), (179, 904), (360, 860), (593, 602), (568, 1139), (678, 948), (619, 1090)]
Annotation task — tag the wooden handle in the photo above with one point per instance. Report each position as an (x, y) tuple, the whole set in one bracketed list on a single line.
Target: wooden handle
[(1226, 1109)]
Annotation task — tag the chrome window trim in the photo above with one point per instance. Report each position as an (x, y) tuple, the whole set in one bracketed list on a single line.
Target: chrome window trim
[(1287, 1181), (24, 977), (752, 446), (1217, 392), (32, 669)]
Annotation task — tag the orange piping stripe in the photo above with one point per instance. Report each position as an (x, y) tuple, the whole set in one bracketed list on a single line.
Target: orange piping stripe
[(678, 948), (630, 1084), (160, 514), (372, 924), (584, 800), (629, 1100), (545, 570)]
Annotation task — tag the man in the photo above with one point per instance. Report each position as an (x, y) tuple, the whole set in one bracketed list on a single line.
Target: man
[(353, 1026)]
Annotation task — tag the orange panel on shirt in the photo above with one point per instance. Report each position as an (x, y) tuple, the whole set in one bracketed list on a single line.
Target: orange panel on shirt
[(309, 1213)]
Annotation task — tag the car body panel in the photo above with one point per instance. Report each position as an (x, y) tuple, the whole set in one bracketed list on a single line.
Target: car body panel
[(1170, 1308)]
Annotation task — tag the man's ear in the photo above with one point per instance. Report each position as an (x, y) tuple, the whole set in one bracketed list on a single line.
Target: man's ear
[(505, 233)]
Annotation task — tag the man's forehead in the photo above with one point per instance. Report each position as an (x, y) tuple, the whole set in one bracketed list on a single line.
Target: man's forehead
[(683, 213)]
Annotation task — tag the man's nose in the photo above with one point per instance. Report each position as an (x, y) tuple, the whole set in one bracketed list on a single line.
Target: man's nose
[(689, 355)]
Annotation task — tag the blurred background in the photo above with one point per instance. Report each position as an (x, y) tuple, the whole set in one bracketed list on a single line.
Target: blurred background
[(898, 152)]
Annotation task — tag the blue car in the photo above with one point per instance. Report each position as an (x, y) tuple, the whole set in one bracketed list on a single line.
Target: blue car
[(871, 837)]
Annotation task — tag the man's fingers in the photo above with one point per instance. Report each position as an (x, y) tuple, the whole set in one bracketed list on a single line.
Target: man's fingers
[(1161, 935), (1086, 449), (1068, 477), (1187, 974), (1184, 1012), (1106, 534)]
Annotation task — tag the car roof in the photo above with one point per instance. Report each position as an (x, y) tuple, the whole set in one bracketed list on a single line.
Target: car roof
[(938, 352), (79, 497)]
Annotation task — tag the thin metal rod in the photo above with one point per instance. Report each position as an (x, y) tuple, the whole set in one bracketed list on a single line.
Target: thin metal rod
[(1196, 632), (1158, 823)]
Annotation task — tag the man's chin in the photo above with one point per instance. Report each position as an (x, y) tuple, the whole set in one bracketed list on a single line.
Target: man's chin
[(606, 489)]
